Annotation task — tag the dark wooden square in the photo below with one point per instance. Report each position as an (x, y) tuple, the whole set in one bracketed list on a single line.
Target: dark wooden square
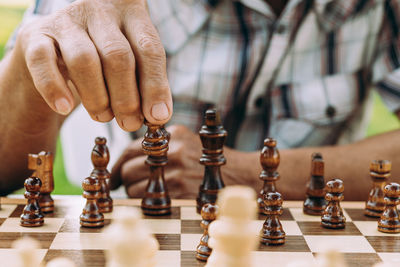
[(7, 238), (286, 215), (188, 259), (191, 227), (169, 241), (73, 226), (293, 243), (93, 258), (315, 228), (360, 259), (358, 215), (385, 243)]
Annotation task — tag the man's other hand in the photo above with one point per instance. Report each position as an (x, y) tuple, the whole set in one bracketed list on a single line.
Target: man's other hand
[(104, 53)]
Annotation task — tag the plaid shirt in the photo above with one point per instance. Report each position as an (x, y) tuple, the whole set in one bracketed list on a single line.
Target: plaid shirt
[(303, 77)]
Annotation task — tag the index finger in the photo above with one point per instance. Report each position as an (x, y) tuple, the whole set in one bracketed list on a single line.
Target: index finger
[(151, 65)]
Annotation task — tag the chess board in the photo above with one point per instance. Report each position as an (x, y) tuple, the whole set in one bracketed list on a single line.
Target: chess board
[(179, 234)]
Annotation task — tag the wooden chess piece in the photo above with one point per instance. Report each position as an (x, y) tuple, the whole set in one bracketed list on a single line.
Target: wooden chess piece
[(272, 232), (212, 136), (100, 158), (315, 202), (42, 166), (156, 200), (333, 217), (32, 215), (91, 215), (390, 221), (269, 159), (380, 172), (208, 214)]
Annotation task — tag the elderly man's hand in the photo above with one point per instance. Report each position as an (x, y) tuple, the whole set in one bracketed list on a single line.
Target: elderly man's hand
[(183, 173), (106, 54)]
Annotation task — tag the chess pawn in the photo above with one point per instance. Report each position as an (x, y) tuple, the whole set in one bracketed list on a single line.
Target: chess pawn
[(42, 166), (32, 215), (269, 159), (91, 215), (212, 136), (100, 158), (315, 202), (208, 214), (333, 215), (389, 221), (156, 200), (380, 172), (272, 232)]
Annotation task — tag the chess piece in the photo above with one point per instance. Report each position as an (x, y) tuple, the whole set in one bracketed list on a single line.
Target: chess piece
[(130, 243), (155, 144), (60, 262), (233, 235), (380, 172), (91, 215), (333, 215), (390, 221), (42, 166), (208, 214), (26, 252), (315, 202), (32, 215), (100, 158), (272, 232), (269, 159), (212, 136)]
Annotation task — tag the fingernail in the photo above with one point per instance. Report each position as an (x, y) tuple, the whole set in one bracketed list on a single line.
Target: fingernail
[(159, 111), (63, 106), (105, 116)]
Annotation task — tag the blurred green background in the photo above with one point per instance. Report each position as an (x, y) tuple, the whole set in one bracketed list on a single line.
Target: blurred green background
[(11, 12)]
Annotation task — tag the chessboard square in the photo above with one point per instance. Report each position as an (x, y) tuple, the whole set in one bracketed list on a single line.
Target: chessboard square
[(315, 228), (345, 244), (7, 210), (299, 216), (385, 243), (393, 258), (8, 256), (292, 244), (168, 258), (79, 241), (286, 215), (93, 258), (281, 258), (166, 226), (370, 229), (169, 241), (188, 259), (191, 227), (361, 259), (74, 226), (189, 213), (51, 225), (189, 242), (44, 239), (175, 213), (358, 215)]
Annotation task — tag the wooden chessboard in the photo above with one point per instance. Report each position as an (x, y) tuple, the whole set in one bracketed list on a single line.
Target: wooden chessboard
[(179, 234)]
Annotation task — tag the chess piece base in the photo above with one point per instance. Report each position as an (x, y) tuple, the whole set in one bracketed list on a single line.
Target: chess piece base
[(314, 206), (27, 222), (373, 213), (203, 253), (156, 211), (330, 225), (105, 205), (46, 203), (92, 220), (390, 230), (273, 241), (156, 206)]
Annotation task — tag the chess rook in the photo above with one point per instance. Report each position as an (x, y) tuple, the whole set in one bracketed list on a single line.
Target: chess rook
[(208, 214), (32, 215), (315, 202), (91, 215), (42, 166), (269, 159), (390, 221), (333, 217), (100, 158), (380, 172), (212, 136), (272, 232), (156, 200)]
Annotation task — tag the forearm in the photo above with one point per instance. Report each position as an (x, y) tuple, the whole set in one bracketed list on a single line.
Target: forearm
[(28, 124), (347, 162)]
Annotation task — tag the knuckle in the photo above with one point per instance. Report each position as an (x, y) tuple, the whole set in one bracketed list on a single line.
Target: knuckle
[(37, 53), (83, 60), (150, 45), (125, 106), (118, 57)]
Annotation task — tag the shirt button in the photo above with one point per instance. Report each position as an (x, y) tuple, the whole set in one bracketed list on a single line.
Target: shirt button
[(259, 102), (330, 111)]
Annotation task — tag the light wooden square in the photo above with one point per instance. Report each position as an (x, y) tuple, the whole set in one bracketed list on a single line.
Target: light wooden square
[(51, 225), (168, 258), (283, 259), (189, 242), (161, 226), (298, 215), (9, 256), (6, 210), (345, 244), (79, 241), (189, 213), (392, 258), (369, 228)]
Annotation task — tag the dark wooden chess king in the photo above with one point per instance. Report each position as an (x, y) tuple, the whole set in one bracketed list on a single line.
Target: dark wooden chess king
[(32, 215), (156, 200), (42, 166), (91, 215), (100, 158), (212, 136), (380, 173), (315, 202), (269, 159)]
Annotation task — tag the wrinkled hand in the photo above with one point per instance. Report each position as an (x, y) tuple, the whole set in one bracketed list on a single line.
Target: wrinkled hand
[(104, 53), (183, 173)]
